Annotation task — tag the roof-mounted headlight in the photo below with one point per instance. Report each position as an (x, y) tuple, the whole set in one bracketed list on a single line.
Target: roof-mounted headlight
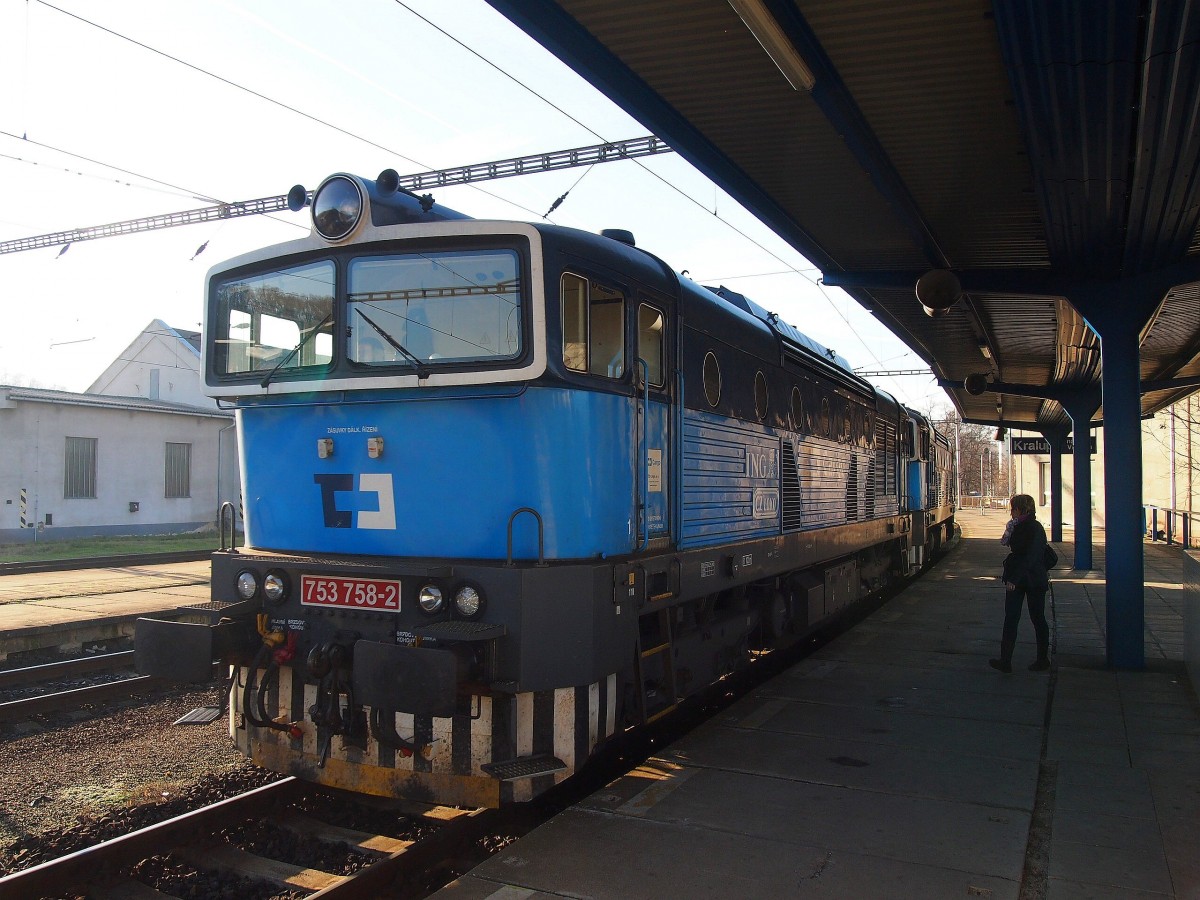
[(338, 206)]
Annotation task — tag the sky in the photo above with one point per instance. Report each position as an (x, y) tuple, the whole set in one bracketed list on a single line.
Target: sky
[(133, 108)]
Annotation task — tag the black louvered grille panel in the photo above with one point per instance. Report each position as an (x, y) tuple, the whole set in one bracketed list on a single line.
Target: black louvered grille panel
[(885, 457), (791, 489)]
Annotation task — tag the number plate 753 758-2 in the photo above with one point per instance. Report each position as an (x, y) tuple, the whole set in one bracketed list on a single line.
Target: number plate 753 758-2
[(350, 593)]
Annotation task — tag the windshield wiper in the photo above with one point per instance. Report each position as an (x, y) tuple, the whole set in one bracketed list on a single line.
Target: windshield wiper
[(422, 369), (292, 353)]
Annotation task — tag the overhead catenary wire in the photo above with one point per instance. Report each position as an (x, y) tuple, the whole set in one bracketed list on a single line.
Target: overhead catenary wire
[(179, 189), (563, 196), (517, 81), (261, 96), (391, 151), (656, 175), (82, 174)]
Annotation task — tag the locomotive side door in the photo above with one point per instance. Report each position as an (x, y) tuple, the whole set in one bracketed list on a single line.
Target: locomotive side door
[(654, 452)]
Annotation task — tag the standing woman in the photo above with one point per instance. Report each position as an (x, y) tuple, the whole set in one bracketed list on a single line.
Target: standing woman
[(1025, 579)]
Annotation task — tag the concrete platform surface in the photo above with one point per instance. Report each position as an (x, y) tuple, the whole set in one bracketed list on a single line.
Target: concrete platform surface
[(62, 609), (896, 763)]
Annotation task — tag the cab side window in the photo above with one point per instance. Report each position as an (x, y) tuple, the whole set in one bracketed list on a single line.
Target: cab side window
[(650, 343), (593, 327)]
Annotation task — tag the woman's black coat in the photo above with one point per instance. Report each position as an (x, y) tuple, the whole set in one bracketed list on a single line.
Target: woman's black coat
[(1025, 566)]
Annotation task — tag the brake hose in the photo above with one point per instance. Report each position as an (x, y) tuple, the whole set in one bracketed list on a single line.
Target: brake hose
[(250, 700)]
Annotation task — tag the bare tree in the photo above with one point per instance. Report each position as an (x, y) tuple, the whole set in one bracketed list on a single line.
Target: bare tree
[(983, 469)]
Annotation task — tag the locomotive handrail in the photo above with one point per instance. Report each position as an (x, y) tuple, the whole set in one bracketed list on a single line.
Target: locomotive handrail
[(676, 473), (541, 545), (227, 507), (643, 446)]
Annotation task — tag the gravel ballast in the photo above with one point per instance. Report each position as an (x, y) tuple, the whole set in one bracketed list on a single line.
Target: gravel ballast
[(70, 769)]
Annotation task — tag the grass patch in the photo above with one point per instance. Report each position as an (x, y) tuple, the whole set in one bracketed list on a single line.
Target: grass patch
[(128, 545)]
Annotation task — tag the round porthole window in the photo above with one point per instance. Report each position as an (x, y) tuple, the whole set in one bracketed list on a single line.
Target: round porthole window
[(797, 409), (712, 379), (761, 395)]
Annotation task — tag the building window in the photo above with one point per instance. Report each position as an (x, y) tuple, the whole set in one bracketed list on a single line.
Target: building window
[(79, 480), (179, 470)]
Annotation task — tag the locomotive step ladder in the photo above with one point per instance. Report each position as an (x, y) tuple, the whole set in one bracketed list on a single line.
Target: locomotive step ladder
[(657, 695)]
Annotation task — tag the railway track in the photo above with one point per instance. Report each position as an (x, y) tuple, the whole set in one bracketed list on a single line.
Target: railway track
[(197, 840), (71, 670), (65, 670)]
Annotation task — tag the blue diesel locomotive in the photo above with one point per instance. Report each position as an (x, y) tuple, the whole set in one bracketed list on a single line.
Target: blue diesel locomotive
[(512, 489)]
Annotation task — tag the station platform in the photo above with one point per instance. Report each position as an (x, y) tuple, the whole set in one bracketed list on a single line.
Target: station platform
[(895, 763), (62, 610)]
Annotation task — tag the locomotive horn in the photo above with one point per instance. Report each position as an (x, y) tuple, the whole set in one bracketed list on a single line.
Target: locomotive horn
[(297, 198), (388, 181)]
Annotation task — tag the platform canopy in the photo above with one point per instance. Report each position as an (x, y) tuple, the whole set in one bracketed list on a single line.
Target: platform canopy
[(1044, 151)]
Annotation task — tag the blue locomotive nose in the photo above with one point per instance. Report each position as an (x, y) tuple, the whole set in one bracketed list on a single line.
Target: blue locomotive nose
[(455, 470)]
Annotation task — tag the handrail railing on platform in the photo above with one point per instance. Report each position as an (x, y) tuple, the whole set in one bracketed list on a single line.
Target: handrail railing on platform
[(1173, 526)]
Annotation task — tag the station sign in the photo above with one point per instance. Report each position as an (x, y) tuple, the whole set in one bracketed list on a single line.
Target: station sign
[(1028, 445)]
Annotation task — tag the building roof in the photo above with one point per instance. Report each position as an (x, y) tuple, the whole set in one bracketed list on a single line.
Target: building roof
[(10, 394), (191, 338)]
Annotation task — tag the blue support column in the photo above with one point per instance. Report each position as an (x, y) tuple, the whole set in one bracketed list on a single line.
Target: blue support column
[(1081, 407), (1118, 319), (1057, 438)]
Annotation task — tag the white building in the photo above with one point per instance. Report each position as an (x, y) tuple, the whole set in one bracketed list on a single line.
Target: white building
[(1170, 467), (143, 451), (163, 363)]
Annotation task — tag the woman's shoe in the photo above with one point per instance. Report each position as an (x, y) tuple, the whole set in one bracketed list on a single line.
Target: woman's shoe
[(1041, 664), (1002, 664)]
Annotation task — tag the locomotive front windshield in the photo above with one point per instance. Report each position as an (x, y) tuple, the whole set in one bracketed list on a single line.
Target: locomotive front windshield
[(277, 320), (404, 311), (427, 308)]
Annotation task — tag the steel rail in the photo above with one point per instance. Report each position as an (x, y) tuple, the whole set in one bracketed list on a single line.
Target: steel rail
[(19, 710), (53, 876), (70, 668), (369, 882)]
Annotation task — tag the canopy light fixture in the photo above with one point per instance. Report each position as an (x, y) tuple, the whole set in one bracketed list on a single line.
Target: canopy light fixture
[(938, 290), (985, 349), (779, 47), (975, 384)]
